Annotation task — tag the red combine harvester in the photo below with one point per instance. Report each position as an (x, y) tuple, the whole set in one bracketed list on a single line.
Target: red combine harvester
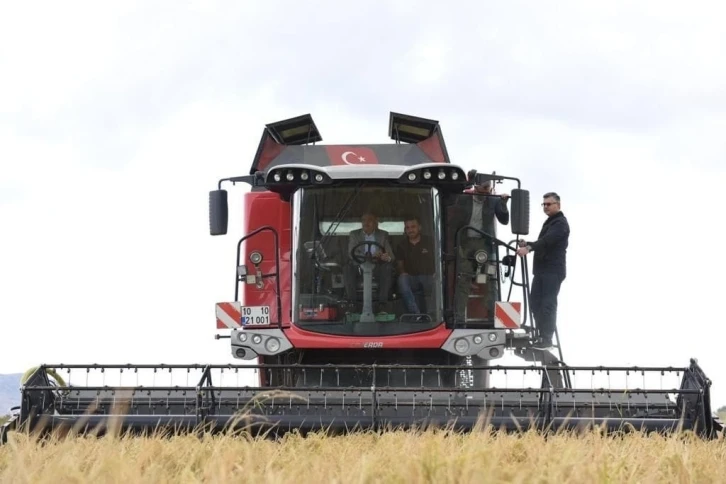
[(315, 295), (334, 340)]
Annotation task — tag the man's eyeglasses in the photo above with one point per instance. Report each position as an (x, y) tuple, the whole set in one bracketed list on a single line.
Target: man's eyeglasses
[(547, 204)]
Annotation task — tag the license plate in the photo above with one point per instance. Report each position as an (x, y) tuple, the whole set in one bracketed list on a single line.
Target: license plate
[(255, 315)]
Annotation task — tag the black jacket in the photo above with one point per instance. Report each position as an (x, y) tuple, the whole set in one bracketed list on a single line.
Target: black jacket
[(550, 248), (493, 206)]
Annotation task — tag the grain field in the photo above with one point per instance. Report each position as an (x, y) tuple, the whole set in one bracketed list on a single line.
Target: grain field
[(398, 457)]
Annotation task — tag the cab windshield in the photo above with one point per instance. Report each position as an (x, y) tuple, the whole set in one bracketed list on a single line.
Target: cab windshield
[(367, 260)]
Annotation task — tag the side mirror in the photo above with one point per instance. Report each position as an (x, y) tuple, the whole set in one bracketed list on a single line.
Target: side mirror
[(218, 212), (520, 211)]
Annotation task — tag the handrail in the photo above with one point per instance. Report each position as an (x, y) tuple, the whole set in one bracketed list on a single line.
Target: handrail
[(275, 274)]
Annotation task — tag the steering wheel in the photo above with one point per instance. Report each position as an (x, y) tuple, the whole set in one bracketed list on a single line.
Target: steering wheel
[(368, 255)]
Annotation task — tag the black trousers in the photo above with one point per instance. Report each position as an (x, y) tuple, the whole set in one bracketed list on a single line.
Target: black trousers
[(543, 300)]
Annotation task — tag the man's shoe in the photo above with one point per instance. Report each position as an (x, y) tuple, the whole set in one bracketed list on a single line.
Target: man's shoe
[(383, 316), (542, 344)]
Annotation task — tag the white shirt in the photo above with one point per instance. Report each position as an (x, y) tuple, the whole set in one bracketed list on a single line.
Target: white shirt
[(476, 213), (371, 238)]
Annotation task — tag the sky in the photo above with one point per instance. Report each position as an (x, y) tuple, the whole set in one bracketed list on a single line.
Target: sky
[(117, 120)]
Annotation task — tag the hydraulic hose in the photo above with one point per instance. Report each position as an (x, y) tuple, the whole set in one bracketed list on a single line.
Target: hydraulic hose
[(50, 372)]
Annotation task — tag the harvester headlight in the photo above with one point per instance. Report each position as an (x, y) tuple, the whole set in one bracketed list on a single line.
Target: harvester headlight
[(257, 339), (427, 175), (318, 177), (256, 257), (242, 337), (290, 176), (461, 345), (481, 256), (492, 337), (494, 352), (442, 174), (304, 176), (272, 345), (454, 175), (478, 339), (277, 177), (412, 176)]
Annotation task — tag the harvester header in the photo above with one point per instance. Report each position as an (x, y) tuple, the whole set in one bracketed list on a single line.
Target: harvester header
[(371, 291)]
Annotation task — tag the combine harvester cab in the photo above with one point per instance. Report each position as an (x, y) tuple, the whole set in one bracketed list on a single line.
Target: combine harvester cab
[(329, 337)]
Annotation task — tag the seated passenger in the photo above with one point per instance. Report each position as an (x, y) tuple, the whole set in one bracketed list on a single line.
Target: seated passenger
[(382, 272), (416, 269)]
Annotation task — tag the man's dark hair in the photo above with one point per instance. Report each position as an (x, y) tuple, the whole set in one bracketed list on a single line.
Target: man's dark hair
[(410, 217), (472, 174), (551, 195)]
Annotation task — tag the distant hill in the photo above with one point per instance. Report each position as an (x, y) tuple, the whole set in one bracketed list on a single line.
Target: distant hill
[(9, 392)]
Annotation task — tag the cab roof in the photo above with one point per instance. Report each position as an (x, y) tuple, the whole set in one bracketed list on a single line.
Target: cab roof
[(292, 141)]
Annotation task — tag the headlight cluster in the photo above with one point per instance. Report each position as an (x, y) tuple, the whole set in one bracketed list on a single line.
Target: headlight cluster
[(486, 344), (435, 175), (296, 176), (462, 344), (271, 344)]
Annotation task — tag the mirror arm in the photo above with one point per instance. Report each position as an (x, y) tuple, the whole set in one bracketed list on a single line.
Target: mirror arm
[(258, 179), (484, 177)]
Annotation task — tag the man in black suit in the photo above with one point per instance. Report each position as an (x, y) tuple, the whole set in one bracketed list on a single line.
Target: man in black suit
[(477, 210), (549, 268)]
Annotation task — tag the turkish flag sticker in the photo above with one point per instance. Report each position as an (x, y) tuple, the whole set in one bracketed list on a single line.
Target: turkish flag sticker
[(351, 155)]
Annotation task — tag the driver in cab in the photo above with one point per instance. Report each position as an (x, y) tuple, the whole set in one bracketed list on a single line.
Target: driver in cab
[(383, 259)]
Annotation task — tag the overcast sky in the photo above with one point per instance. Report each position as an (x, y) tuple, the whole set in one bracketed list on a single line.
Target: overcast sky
[(115, 122)]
